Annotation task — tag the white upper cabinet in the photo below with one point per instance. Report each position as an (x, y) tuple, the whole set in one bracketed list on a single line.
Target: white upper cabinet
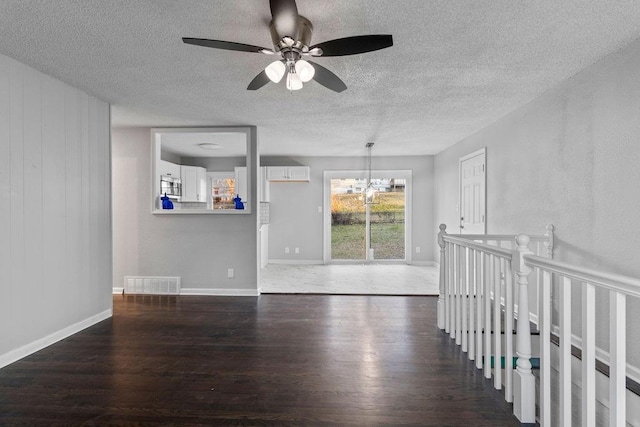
[(241, 184), (288, 173), (168, 169), (194, 184)]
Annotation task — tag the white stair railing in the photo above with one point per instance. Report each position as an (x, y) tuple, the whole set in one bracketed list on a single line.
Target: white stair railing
[(476, 290), (477, 300), (618, 287)]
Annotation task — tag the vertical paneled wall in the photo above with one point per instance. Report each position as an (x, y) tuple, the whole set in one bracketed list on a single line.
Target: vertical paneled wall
[(55, 220)]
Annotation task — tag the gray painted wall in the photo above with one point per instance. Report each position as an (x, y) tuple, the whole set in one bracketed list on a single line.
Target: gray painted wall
[(572, 158), (55, 222), (296, 222), (198, 248)]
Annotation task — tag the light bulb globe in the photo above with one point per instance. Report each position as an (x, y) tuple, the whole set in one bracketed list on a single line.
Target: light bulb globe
[(293, 81), (275, 71), (305, 70)]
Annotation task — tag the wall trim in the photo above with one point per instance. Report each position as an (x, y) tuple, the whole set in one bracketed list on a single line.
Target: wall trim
[(39, 344), (296, 261), (424, 263), (220, 292), (118, 291)]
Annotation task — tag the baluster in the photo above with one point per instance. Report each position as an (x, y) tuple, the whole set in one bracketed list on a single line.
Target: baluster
[(464, 288), (443, 277), (486, 266), (447, 286), (497, 323), (565, 352), (524, 404), (538, 287), (617, 359), (479, 299), (544, 321), (458, 334), (508, 327), (588, 355), (472, 301), (452, 289)]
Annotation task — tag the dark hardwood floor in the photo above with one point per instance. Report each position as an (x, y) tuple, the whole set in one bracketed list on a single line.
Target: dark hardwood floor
[(271, 360)]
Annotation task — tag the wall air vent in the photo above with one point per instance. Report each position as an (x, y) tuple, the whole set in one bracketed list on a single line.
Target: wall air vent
[(152, 285)]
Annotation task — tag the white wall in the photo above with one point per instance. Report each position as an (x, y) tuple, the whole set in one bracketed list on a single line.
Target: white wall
[(55, 220), (571, 158), (296, 222), (199, 248)]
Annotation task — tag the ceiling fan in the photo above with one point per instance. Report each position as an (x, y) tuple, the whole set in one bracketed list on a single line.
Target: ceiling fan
[(291, 36)]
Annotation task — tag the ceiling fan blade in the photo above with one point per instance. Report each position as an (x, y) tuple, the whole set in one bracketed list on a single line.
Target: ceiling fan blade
[(285, 17), (354, 45), (258, 81), (220, 44), (327, 79)]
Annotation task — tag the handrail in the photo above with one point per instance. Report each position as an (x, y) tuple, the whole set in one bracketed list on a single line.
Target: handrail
[(493, 250), (507, 237), (614, 282)]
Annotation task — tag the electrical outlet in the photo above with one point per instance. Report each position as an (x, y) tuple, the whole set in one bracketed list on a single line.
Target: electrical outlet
[(417, 249), (230, 273), (296, 250), (319, 209), (286, 250)]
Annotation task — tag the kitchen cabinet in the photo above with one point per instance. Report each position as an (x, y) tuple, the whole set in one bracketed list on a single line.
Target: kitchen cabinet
[(264, 186), (169, 169), (288, 173), (241, 184), (194, 184)]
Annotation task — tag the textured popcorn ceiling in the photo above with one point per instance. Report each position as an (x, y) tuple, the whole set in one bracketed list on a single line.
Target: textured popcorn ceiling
[(456, 66)]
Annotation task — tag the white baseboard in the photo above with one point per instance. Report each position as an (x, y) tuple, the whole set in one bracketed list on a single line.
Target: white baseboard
[(424, 263), (118, 291), (296, 261), (220, 292), (37, 345)]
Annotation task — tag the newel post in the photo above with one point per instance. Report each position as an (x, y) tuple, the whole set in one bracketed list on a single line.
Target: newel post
[(443, 269), (524, 384), (548, 244)]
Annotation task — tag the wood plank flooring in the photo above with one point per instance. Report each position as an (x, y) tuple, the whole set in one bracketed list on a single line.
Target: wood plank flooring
[(273, 360)]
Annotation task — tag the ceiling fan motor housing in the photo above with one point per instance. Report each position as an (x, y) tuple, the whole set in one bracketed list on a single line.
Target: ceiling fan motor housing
[(302, 39)]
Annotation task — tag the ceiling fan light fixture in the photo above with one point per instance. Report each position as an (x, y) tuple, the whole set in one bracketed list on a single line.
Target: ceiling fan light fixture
[(305, 70), (293, 81), (275, 71)]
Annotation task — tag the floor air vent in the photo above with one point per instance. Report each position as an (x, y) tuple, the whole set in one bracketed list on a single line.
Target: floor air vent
[(152, 285)]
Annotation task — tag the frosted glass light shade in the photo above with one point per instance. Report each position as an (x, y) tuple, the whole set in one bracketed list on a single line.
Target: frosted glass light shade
[(293, 81), (305, 70), (275, 71)]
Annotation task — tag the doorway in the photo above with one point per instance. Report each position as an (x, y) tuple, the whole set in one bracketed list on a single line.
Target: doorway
[(473, 193), (356, 231)]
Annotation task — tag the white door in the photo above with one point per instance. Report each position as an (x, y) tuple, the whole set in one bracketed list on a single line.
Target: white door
[(472, 193)]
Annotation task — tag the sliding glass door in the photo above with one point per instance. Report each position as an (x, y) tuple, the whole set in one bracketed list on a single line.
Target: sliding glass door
[(362, 231)]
